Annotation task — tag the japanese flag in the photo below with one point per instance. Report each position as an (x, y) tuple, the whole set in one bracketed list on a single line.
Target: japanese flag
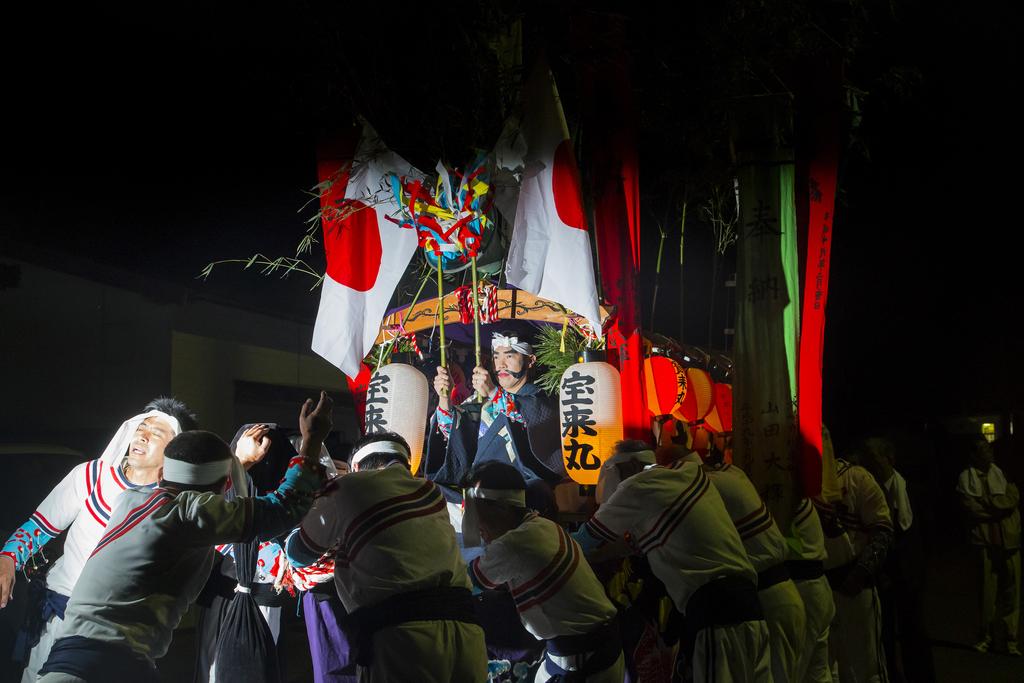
[(366, 253), (550, 250)]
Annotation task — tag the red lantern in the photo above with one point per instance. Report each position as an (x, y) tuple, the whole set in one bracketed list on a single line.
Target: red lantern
[(698, 398), (720, 418), (666, 384)]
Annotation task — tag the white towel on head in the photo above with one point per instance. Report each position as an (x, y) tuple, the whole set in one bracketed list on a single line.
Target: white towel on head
[(118, 446), (971, 482), (608, 478)]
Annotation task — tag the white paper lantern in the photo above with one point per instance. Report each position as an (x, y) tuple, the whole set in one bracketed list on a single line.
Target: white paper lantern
[(396, 401), (590, 406)]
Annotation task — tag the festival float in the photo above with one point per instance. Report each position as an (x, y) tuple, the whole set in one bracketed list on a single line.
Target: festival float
[(504, 241)]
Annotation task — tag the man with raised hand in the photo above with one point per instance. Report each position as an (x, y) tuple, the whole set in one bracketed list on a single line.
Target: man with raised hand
[(158, 549), (81, 505), (397, 569)]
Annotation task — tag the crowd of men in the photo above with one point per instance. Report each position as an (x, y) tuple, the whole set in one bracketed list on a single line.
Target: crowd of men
[(466, 571)]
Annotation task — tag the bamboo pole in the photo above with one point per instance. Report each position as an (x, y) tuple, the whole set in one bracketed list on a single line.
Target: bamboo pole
[(440, 307), (476, 320)]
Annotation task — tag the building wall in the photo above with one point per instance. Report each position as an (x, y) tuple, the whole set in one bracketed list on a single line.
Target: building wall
[(77, 356)]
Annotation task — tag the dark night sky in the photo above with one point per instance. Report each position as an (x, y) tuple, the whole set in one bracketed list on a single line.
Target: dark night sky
[(159, 143)]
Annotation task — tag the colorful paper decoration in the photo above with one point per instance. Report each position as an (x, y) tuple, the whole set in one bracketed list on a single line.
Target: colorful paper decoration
[(590, 403), (665, 380), (396, 401), (450, 222)]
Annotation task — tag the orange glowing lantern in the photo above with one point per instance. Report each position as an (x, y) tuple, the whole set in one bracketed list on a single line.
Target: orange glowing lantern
[(590, 404), (698, 399), (396, 401), (720, 418), (666, 384)]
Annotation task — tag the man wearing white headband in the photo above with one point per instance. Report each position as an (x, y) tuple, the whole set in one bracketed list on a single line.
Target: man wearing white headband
[(676, 519), (556, 593), (81, 504), (766, 547), (518, 423), (158, 549), (397, 569), (858, 533)]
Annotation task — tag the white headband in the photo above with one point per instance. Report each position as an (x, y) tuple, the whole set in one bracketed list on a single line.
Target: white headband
[(516, 497), (182, 472), (378, 447), (499, 340)]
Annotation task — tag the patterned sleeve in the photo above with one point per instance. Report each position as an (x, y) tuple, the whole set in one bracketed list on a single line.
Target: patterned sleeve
[(211, 519), (320, 529), (55, 514), (444, 419)]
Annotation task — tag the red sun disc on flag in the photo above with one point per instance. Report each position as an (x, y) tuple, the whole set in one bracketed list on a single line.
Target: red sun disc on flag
[(353, 247), (565, 185)]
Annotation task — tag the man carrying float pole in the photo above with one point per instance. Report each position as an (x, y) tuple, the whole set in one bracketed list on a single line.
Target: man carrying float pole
[(397, 569), (858, 533), (674, 517), (766, 547), (518, 425), (556, 593)]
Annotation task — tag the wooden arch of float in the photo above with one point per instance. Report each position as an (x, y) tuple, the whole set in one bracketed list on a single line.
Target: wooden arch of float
[(513, 304)]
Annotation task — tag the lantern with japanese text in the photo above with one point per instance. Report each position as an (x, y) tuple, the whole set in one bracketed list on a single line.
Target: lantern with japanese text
[(396, 401), (666, 384), (720, 418), (590, 404), (698, 398)]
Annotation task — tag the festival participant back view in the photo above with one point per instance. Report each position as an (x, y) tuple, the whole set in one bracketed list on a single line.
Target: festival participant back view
[(397, 569)]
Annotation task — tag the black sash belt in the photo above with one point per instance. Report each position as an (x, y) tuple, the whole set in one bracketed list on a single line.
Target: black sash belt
[(605, 642), (98, 660), (837, 575), (723, 602), (434, 604), (805, 570), (771, 576)]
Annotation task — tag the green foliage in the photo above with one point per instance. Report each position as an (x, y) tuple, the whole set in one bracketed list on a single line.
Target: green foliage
[(283, 266), (550, 354)]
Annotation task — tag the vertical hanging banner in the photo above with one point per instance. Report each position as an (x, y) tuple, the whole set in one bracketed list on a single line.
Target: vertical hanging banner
[(764, 441), (821, 199), (610, 123)]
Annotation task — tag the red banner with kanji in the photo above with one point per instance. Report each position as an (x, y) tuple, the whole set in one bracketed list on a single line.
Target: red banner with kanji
[(821, 194)]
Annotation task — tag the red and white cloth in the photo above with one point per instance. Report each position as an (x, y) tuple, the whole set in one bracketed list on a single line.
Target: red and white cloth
[(367, 254), (549, 254)]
